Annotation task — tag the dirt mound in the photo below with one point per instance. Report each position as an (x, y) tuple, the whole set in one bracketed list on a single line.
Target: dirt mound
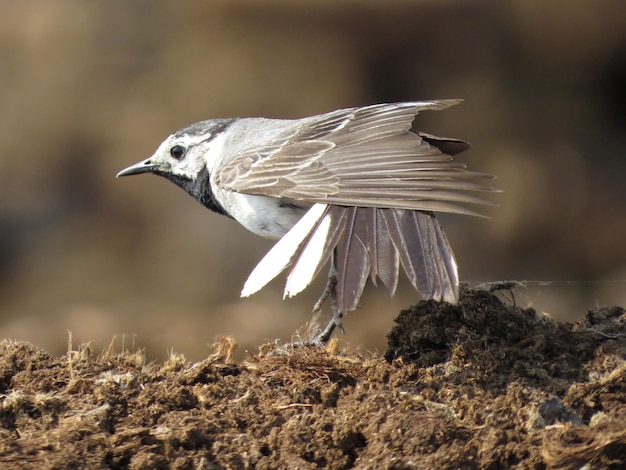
[(481, 384)]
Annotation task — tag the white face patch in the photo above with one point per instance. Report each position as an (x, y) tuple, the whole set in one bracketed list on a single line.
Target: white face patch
[(213, 150), (194, 153)]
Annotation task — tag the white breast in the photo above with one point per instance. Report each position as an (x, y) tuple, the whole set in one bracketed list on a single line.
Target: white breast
[(267, 217)]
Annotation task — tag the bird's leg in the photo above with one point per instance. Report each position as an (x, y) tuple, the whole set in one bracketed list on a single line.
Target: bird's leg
[(335, 321), (330, 292)]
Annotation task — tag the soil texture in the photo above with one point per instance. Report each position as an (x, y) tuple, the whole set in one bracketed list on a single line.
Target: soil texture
[(481, 384)]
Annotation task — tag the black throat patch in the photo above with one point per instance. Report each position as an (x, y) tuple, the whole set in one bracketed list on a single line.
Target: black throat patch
[(200, 189)]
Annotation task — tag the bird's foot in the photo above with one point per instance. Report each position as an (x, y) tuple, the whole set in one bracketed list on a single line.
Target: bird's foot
[(335, 322)]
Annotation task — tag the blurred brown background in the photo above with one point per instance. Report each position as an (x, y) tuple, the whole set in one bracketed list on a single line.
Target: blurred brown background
[(88, 88)]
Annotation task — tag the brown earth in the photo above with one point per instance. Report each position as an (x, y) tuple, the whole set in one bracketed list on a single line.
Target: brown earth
[(484, 384)]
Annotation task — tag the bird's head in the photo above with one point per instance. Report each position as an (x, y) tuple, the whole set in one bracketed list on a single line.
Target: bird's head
[(185, 153), (186, 158)]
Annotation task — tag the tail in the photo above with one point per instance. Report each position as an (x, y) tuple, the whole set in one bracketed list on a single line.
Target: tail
[(367, 243), (377, 241)]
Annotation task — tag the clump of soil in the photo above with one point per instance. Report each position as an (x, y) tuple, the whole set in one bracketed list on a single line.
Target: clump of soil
[(481, 384)]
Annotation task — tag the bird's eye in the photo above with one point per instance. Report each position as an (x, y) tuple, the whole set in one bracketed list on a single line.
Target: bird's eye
[(177, 152)]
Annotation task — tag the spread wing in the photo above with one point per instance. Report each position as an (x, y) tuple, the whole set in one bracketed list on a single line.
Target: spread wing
[(364, 157)]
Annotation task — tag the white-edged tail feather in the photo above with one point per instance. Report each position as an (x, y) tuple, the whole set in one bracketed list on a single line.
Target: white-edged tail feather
[(284, 251), (367, 243), (310, 257), (316, 251)]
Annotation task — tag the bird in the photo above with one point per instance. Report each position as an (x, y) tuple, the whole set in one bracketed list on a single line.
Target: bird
[(354, 188)]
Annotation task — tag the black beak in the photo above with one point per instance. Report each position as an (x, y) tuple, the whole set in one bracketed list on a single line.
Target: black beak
[(142, 167)]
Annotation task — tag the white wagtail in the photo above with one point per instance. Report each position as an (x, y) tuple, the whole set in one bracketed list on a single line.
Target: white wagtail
[(355, 186)]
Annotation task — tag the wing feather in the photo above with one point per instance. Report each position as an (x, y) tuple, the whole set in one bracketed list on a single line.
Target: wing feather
[(373, 185), (357, 157)]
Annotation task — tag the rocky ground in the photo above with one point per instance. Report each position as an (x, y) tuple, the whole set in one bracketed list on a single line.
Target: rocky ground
[(484, 384)]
